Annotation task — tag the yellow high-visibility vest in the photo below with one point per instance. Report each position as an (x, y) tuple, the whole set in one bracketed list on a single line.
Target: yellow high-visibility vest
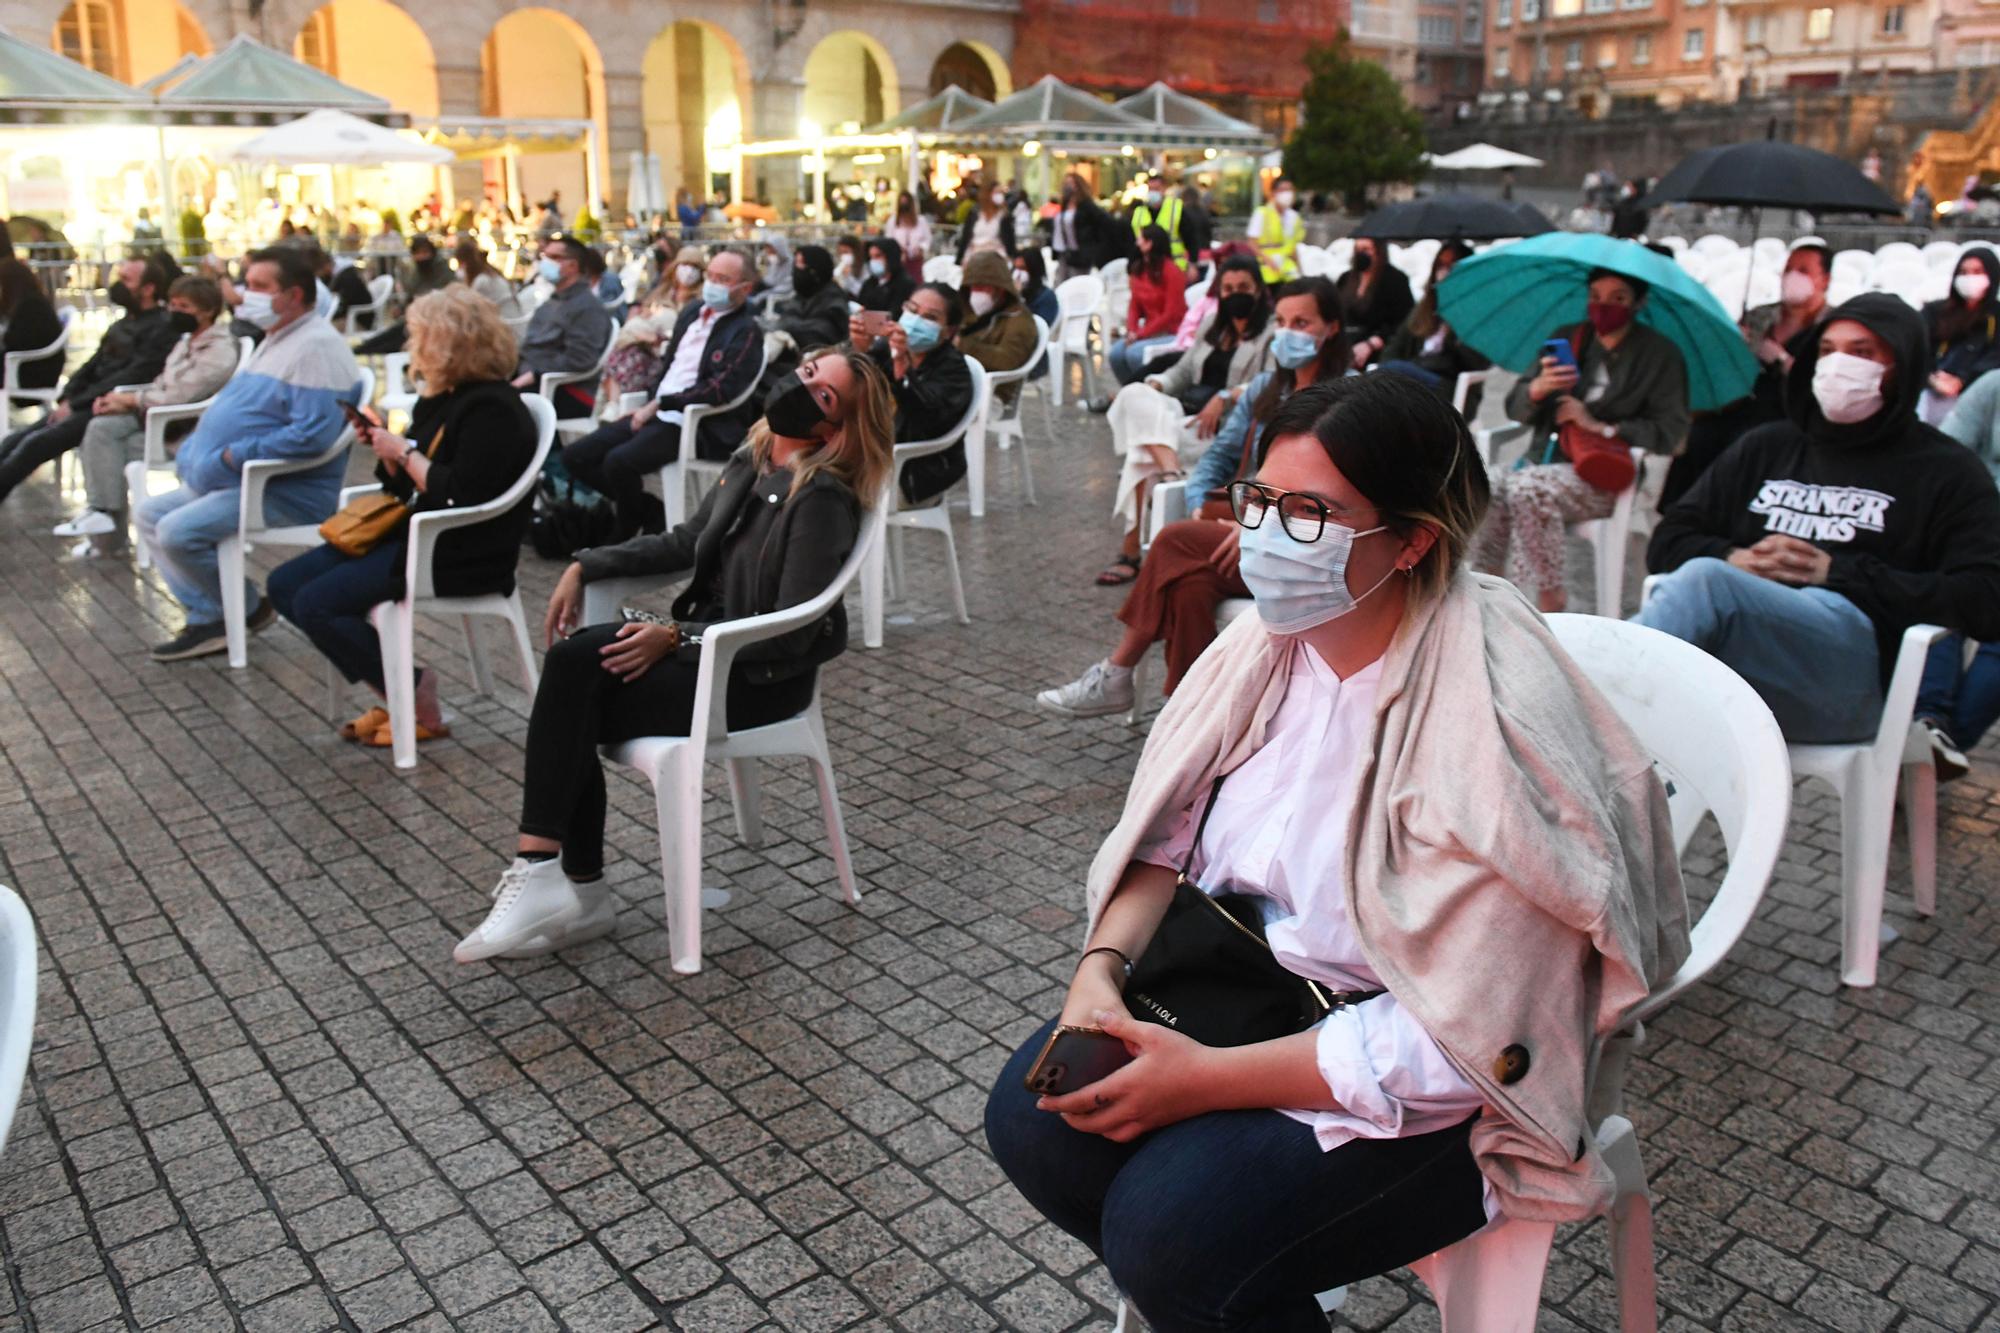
[(1279, 242), (1168, 219)]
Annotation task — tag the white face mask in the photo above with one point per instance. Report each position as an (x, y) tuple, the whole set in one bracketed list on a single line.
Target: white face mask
[(1283, 198), (256, 309), (1971, 287), (1849, 388), (981, 302), (688, 274), (1797, 289), (1299, 585)]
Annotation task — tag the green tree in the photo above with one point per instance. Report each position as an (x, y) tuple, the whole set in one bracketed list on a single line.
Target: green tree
[(1356, 130)]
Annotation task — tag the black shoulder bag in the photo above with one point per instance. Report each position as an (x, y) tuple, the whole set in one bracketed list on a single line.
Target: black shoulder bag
[(1210, 973)]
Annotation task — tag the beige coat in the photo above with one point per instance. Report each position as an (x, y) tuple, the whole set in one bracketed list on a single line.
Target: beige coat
[(1510, 867)]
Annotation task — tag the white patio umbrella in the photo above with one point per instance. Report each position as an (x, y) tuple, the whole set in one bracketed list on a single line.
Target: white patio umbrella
[(335, 138), (1481, 157)]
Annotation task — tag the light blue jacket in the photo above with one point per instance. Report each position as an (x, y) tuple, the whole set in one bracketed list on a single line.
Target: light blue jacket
[(285, 403), (1217, 467), (1975, 421)]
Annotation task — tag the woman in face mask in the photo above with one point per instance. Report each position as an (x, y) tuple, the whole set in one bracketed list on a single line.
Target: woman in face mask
[(790, 503), (1425, 348), (887, 284), (636, 363), (1177, 411), (930, 382), (816, 316), (1375, 299), (849, 268), (1627, 388), (990, 226), (911, 230), (774, 268), (1031, 280), (999, 331), (1191, 566), (1964, 331), (475, 272), (1374, 796)]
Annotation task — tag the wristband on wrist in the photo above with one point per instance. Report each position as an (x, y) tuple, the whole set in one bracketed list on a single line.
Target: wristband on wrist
[(1119, 954)]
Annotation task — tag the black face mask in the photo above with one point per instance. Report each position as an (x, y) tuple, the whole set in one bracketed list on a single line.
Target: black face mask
[(805, 282), (121, 296), (182, 321), (792, 411), (1241, 305), (1361, 261)]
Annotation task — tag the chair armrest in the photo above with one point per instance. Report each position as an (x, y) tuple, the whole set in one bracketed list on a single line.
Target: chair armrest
[(349, 494), (721, 642), (129, 388), (425, 528), (258, 472), (555, 379), (1900, 700), (157, 421), (1169, 503), (603, 597)]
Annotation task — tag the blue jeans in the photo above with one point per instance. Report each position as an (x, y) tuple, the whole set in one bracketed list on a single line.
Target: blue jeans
[(328, 596), (1809, 653), (1128, 359), (1964, 700), (1234, 1219), (182, 529)]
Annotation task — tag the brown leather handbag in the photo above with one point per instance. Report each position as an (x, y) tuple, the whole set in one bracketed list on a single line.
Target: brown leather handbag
[(366, 521)]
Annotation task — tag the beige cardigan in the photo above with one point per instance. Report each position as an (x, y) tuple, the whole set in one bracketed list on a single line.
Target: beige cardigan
[(1510, 871)]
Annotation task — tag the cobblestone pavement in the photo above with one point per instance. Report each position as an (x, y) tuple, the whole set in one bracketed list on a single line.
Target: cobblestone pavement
[(262, 1093)]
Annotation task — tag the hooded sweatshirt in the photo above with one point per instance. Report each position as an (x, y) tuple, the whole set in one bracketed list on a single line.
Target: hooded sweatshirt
[(777, 280), (889, 291), (1003, 338), (1966, 342), (1910, 518)]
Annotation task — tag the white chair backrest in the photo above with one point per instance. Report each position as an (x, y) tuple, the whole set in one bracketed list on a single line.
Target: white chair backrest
[(1312, 260), (937, 266), (379, 287), (1677, 244), (1769, 250), (1898, 252), (1765, 286), (1712, 244), (18, 980), (1196, 292), (919, 448), (1942, 254), (1717, 748), (1852, 265), (1080, 299), (996, 378), (1113, 273)]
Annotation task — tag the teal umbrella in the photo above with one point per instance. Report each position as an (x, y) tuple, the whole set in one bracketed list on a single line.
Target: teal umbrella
[(1507, 302)]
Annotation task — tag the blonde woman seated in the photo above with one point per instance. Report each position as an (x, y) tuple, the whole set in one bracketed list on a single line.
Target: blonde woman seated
[(1430, 814), (638, 349), (470, 439), (1156, 420), (780, 520)]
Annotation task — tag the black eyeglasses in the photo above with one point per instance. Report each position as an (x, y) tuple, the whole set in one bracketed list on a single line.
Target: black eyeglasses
[(1302, 516)]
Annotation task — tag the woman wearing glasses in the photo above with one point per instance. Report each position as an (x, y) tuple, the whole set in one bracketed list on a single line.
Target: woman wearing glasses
[(1434, 818)]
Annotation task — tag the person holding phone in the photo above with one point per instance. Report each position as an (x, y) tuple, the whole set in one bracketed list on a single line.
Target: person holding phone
[(1372, 760), (1619, 380), (469, 439), (928, 377)]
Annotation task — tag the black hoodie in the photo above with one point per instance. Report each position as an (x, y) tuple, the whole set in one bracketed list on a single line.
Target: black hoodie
[(889, 291), (1910, 518)]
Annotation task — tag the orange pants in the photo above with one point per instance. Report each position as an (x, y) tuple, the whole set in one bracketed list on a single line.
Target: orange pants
[(1175, 596)]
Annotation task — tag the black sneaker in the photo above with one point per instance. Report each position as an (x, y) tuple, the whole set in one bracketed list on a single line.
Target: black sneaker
[(1946, 757), (197, 640), (262, 617)]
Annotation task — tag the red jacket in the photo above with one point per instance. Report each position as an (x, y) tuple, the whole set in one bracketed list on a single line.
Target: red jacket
[(1158, 305)]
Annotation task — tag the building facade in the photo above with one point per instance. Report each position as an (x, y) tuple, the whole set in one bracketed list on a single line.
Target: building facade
[(684, 83), (1590, 52)]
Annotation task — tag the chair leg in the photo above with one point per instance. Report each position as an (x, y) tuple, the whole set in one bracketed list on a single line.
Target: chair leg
[(1056, 372), (135, 492), (746, 794), (873, 575), (482, 670), (1631, 1230), (951, 563), (1490, 1282), (1920, 822), (829, 807), (677, 791), (1027, 470), (975, 466), (1610, 568), (229, 567), (1864, 870), (524, 648), (1126, 1323), (898, 585), (1139, 696), (673, 494), (395, 625)]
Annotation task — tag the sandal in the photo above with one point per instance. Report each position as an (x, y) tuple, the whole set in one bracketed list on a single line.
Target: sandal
[(1119, 572), (364, 727), (384, 735)]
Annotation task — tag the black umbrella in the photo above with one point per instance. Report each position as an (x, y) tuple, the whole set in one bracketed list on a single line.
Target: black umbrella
[(1765, 173), (1451, 217)]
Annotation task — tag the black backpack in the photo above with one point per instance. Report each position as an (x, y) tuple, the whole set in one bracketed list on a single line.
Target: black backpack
[(562, 525)]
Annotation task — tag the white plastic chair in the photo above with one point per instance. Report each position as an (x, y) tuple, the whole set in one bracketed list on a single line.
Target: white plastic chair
[(379, 288), (19, 978), (399, 390), (684, 474), (1461, 390), (232, 552), (556, 379), (1941, 254), (395, 622), (674, 764), (930, 518), (1852, 266), (1864, 775), (1004, 421), (1718, 751), (1079, 299), (10, 375), (1714, 246), (139, 472), (1609, 537), (1117, 297), (1897, 252), (941, 268), (1312, 260)]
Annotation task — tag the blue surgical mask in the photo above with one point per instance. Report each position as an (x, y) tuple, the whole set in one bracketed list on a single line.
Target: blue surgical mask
[(1299, 585), (1292, 348), (549, 270), (922, 333), (717, 295), (879, 267)]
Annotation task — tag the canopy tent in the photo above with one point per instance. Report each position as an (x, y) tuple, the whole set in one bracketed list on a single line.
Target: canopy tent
[(946, 110), (35, 81), (1051, 113), (473, 138), (336, 138), (1194, 123), (1480, 157), (248, 76)]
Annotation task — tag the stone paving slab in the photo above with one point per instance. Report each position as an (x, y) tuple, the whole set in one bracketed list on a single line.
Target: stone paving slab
[(263, 1096)]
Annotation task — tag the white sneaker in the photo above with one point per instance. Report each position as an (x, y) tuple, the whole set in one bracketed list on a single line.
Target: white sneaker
[(1094, 694), (537, 910), (88, 523)]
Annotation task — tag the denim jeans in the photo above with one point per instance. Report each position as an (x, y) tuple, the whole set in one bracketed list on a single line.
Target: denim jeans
[(1128, 359), (1964, 700), (1809, 653), (328, 595), (182, 528), (1235, 1219)]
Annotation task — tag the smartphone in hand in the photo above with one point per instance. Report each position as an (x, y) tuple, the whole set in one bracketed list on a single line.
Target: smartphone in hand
[(1560, 350), (875, 323), (361, 421), (1075, 1058)]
